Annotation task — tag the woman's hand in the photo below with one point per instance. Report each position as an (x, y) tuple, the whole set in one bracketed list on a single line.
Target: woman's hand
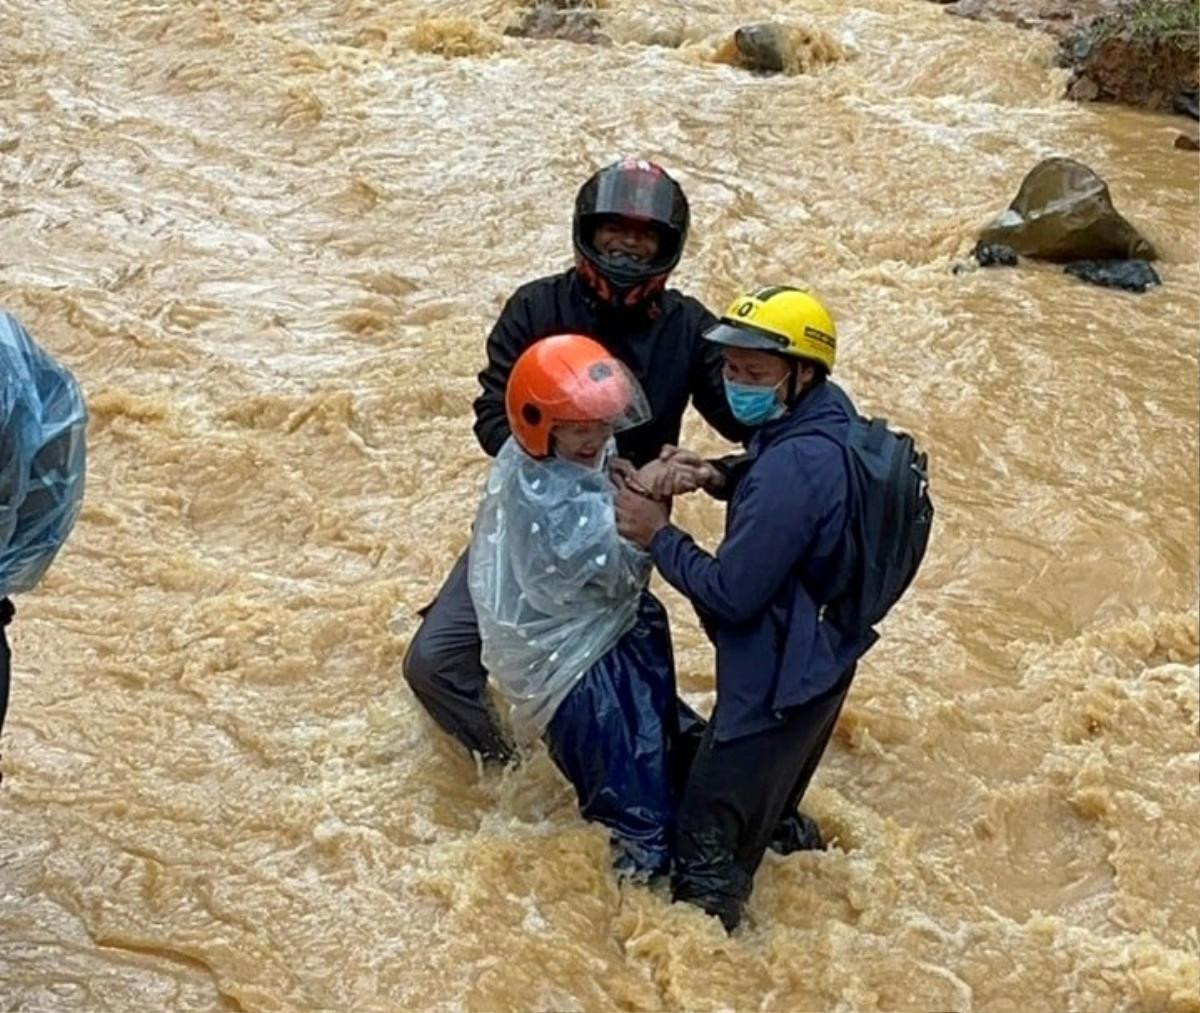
[(655, 480), (623, 474), (684, 471)]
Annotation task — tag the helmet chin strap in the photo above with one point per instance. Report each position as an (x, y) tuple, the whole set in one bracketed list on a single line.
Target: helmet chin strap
[(792, 394), (795, 393)]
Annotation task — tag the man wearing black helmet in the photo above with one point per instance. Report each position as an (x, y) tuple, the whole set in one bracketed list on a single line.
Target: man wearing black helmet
[(630, 226)]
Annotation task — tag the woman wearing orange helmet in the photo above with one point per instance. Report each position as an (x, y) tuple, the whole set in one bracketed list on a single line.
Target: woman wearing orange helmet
[(576, 644), (567, 390)]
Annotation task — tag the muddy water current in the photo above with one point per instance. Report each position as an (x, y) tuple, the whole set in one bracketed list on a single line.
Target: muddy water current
[(269, 237)]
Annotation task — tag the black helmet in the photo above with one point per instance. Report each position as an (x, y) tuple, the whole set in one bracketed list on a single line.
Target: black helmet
[(636, 189)]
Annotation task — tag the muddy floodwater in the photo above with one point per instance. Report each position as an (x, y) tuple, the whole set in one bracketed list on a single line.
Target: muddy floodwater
[(269, 237)]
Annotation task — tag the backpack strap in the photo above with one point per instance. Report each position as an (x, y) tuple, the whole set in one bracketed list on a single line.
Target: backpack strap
[(876, 433)]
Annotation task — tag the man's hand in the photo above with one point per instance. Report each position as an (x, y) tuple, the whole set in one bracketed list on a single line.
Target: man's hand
[(686, 471), (639, 518)]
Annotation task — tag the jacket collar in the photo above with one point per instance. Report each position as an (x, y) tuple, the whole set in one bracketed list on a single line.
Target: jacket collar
[(612, 320), (826, 402)]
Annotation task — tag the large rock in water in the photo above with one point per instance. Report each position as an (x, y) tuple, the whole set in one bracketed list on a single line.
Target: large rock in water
[(763, 47), (1063, 212)]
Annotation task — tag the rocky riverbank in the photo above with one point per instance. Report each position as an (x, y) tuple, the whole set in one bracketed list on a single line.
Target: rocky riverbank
[(1138, 52)]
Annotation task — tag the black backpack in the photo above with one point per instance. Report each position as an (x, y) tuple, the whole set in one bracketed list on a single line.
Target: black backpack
[(889, 518)]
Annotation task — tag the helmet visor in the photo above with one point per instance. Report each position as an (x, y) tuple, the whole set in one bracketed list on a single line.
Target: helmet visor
[(605, 392), (739, 335), (647, 195)]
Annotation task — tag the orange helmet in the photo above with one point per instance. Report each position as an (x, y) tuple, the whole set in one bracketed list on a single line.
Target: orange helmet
[(569, 378)]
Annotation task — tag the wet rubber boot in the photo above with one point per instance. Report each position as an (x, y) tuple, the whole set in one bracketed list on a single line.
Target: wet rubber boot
[(796, 831), (717, 886)]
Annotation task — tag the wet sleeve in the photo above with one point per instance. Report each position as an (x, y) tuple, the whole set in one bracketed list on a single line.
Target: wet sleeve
[(707, 386), (733, 468), (510, 336), (777, 518)]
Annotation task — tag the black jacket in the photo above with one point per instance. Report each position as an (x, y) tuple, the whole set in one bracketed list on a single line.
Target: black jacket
[(662, 347)]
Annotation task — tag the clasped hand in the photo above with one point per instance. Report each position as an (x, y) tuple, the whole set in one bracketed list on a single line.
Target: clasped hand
[(643, 502)]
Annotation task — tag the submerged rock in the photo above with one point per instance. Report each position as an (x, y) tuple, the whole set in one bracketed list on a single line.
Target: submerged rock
[(1053, 16), (975, 10), (1083, 89), (451, 37), (994, 255), (665, 36), (1187, 142), (569, 20), (1128, 275), (771, 48), (1063, 212)]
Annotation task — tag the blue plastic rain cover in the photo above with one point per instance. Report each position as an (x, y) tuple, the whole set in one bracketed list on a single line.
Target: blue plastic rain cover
[(42, 442)]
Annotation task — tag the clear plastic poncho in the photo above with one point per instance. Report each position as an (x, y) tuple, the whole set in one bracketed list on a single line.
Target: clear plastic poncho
[(554, 586), (42, 429)]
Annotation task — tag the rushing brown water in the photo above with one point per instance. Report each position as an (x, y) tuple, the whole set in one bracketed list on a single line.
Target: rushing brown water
[(270, 235)]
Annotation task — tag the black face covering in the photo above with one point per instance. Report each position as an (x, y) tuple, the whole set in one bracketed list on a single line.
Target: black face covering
[(620, 262)]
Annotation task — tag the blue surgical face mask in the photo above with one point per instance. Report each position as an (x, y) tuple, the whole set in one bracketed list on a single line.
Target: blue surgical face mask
[(753, 405)]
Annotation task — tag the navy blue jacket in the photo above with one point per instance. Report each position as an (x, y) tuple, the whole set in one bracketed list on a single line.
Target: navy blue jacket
[(760, 596), (661, 345)]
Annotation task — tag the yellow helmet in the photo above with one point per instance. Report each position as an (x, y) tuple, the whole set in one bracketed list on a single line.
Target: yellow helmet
[(779, 319)]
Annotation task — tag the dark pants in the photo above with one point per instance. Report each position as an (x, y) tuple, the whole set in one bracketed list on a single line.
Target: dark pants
[(6, 614), (614, 737), (736, 794), (443, 668)]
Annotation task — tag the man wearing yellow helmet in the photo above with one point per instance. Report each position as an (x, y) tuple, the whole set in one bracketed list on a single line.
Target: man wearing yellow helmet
[(782, 671)]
